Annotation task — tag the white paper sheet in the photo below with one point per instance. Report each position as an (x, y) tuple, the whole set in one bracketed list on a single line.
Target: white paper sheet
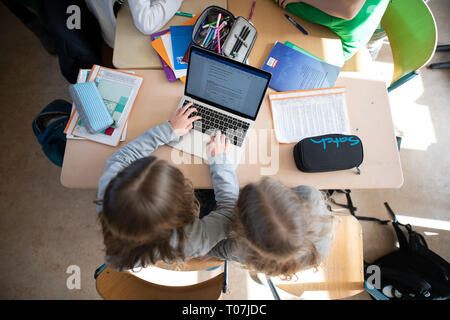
[(301, 114)]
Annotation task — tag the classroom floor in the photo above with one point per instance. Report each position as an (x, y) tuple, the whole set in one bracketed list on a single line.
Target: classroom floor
[(45, 228)]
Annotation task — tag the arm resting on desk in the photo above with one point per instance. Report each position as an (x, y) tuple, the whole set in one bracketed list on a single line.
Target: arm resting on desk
[(151, 15), (345, 9)]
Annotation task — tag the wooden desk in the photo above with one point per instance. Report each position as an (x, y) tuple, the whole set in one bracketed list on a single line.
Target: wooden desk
[(133, 49), (370, 119)]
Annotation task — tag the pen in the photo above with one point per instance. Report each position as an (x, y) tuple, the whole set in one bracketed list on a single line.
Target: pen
[(244, 37), (184, 14), (217, 25), (251, 12), (296, 24), (213, 23), (233, 51), (218, 34)]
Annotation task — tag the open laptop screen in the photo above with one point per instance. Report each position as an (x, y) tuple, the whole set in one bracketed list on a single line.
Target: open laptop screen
[(225, 83)]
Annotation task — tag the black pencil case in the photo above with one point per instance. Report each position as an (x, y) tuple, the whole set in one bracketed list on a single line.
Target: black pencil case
[(234, 34), (329, 152)]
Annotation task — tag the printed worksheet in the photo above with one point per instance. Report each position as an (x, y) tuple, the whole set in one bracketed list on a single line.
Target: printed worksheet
[(308, 113)]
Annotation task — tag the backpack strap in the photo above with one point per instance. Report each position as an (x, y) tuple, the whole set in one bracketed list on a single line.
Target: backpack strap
[(403, 242), (352, 208)]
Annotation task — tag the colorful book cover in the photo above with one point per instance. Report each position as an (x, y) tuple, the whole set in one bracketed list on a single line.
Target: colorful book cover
[(181, 39), (293, 70), (169, 73)]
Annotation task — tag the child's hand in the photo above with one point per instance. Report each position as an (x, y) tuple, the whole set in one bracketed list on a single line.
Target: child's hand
[(218, 144), (284, 3), (180, 121)]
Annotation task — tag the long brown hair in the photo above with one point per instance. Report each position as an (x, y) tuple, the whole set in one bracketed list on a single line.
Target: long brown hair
[(142, 207), (284, 232)]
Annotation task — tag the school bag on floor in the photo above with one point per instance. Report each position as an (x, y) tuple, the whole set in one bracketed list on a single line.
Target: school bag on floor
[(49, 126), (413, 272)]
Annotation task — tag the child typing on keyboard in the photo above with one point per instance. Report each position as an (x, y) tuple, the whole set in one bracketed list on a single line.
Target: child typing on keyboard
[(147, 208), (276, 230)]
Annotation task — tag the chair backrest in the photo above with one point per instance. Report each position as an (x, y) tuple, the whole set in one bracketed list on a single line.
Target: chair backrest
[(114, 285), (412, 33), (341, 274)]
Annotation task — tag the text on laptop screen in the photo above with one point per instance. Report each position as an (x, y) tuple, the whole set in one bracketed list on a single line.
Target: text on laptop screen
[(225, 84)]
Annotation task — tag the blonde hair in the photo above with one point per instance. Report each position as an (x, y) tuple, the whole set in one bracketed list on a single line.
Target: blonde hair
[(142, 207), (284, 232)]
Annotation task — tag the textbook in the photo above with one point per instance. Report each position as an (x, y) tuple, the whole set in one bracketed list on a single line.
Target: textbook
[(293, 70)]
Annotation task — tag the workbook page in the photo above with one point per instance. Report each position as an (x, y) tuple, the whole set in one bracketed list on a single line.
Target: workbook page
[(302, 114)]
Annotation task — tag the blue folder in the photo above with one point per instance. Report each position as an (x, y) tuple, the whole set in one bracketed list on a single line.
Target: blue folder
[(293, 70), (181, 39)]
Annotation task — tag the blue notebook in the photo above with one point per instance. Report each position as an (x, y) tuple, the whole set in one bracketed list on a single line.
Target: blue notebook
[(293, 70), (181, 39)]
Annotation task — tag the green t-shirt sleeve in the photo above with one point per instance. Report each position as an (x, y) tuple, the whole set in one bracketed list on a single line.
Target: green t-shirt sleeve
[(354, 33)]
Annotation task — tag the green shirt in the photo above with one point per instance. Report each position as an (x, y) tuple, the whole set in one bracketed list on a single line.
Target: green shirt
[(354, 33)]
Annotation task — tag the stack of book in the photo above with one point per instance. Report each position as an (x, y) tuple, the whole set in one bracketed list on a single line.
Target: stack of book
[(172, 46), (118, 90)]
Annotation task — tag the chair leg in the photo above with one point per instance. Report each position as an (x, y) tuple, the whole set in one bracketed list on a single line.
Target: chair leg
[(443, 47), (399, 142), (273, 289), (225, 277), (402, 80), (440, 65)]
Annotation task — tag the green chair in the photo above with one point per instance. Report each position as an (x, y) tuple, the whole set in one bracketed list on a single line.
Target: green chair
[(412, 33)]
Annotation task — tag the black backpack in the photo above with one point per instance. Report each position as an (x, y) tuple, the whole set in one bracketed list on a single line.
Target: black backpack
[(48, 126), (413, 272)]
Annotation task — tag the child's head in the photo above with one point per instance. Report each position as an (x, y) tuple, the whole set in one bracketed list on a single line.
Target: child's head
[(284, 232), (142, 206)]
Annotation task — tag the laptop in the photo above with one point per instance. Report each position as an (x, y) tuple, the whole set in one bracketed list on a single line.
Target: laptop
[(227, 95)]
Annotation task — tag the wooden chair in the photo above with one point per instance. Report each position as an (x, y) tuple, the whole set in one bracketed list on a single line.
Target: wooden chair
[(341, 275), (114, 285)]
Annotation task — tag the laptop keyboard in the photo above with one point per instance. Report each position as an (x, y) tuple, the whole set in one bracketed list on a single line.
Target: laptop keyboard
[(233, 128)]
